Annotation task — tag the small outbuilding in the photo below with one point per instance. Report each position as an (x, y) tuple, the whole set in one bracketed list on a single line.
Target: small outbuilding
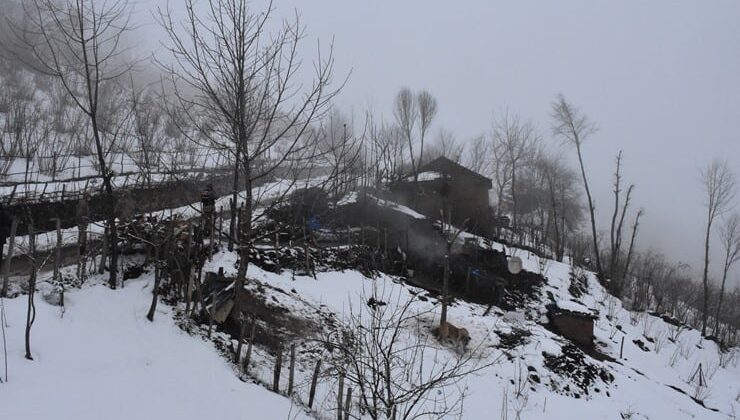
[(573, 321)]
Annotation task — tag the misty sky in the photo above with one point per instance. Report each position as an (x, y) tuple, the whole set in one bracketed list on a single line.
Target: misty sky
[(661, 79)]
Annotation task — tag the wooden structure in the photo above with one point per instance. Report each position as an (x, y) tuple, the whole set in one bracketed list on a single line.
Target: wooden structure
[(445, 187), (574, 322)]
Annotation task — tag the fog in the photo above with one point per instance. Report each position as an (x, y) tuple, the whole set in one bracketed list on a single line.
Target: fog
[(660, 78)]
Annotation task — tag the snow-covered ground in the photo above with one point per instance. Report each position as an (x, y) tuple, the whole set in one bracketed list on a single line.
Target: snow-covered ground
[(102, 359), (641, 378)]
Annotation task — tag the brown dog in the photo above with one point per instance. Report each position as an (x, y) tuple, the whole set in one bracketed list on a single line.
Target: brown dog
[(453, 334)]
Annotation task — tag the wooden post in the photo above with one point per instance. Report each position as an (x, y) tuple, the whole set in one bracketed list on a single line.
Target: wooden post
[(314, 379), (230, 238), (9, 257), (104, 253), (278, 367), (220, 225), (340, 394), (155, 289), (467, 282), (211, 313), (189, 274), (46, 184), (445, 288), (58, 253), (621, 348), (385, 231), (31, 313), (291, 373), (240, 340), (249, 346), (212, 227), (348, 403)]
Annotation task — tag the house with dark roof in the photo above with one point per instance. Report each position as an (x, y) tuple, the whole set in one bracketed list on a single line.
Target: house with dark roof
[(443, 186)]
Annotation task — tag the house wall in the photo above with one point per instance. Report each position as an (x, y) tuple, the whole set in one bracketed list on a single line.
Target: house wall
[(463, 199)]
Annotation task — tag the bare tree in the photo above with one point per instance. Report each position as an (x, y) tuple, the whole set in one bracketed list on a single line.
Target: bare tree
[(617, 224), (450, 234), (385, 152), (79, 42), (446, 145), (236, 85), (575, 128), (719, 187), (517, 140), (383, 345), (564, 212), (340, 152), (730, 236), (148, 132), (631, 249), (501, 169), (27, 131), (427, 105), (476, 155), (412, 111), (406, 112)]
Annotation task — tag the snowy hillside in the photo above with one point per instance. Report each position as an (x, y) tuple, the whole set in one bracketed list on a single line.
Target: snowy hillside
[(654, 382), (101, 358)]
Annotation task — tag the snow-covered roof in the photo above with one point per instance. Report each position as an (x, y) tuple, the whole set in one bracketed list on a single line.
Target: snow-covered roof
[(426, 176), (574, 307)]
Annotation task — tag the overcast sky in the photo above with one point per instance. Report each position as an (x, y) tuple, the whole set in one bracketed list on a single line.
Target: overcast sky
[(661, 79)]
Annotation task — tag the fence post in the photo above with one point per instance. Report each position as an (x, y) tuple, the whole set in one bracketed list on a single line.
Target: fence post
[(340, 394), (292, 369), (467, 282), (221, 226), (240, 339), (58, 253), (46, 184), (104, 254), (9, 258), (348, 403), (314, 379), (278, 367), (249, 346)]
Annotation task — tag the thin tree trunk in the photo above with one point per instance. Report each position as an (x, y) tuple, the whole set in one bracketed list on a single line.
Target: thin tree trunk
[(705, 280), (599, 271), (31, 312), (9, 257)]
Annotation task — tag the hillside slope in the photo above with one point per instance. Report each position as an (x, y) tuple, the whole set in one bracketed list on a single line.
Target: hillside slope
[(102, 359)]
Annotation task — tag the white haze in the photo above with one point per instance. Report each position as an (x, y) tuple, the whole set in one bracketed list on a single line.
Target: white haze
[(661, 79)]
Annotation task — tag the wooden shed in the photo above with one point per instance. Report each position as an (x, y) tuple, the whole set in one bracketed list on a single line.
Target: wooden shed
[(573, 321)]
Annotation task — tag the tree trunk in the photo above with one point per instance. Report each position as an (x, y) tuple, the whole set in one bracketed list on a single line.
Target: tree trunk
[(31, 312), (9, 257), (594, 236), (705, 280)]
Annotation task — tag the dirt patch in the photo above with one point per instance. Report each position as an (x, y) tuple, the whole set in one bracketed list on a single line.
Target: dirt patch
[(572, 364)]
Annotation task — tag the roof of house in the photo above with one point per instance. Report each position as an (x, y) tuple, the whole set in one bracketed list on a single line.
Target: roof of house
[(445, 166)]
